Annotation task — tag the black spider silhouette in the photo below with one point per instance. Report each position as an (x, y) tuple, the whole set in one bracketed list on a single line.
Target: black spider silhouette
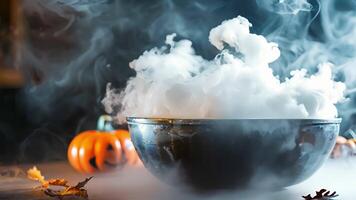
[(322, 194)]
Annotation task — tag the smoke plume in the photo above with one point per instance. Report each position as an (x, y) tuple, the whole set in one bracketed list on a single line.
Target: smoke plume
[(313, 32), (174, 82), (76, 47)]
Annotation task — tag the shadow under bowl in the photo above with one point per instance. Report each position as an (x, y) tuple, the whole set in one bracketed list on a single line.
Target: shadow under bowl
[(215, 154)]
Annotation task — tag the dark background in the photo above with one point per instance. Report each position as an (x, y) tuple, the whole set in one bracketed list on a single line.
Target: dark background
[(67, 52)]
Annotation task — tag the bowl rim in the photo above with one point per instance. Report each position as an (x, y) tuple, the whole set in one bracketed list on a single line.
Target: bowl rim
[(147, 120)]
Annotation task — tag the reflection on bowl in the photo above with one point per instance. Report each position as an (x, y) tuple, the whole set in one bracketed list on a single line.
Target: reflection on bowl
[(211, 154)]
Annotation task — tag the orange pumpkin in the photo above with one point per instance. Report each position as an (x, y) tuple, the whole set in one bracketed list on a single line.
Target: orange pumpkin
[(96, 150)]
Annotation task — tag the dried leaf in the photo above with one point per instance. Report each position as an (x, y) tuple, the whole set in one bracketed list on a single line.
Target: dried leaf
[(51, 193), (73, 191), (322, 194), (35, 174), (83, 183), (58, 182), (77, 190), (70, 191)]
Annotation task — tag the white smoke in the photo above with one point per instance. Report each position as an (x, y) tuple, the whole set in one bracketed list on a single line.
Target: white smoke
[(285, 6), (174, 82)]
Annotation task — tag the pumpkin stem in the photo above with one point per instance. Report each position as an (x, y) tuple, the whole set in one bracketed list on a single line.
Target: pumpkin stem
[(104, 123)]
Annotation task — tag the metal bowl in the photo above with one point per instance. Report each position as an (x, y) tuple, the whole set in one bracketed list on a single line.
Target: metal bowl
[(212, 154)]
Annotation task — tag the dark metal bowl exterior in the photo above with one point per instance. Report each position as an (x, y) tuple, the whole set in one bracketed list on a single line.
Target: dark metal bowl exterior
[(213, 154)]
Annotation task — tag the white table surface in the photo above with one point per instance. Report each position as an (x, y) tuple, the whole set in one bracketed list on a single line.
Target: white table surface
[(336, 175)]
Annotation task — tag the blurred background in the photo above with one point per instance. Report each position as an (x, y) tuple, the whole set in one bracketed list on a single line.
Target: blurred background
[(57, 56), (11, 82)]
